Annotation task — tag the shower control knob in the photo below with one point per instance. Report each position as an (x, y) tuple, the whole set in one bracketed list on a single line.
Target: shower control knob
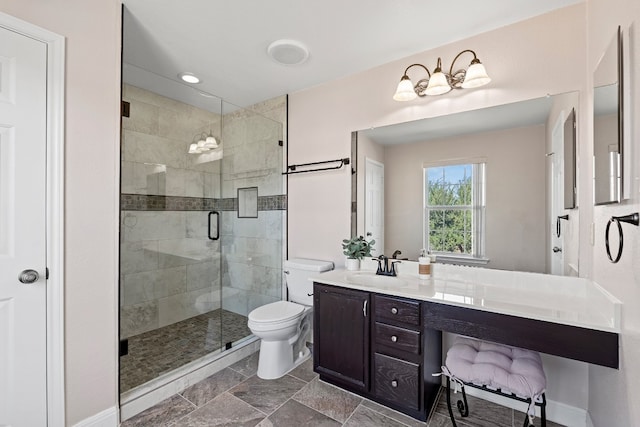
[(28, 276), (557, 249)]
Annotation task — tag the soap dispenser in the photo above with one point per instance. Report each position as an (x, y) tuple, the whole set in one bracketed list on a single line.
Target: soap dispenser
[(424, 265)]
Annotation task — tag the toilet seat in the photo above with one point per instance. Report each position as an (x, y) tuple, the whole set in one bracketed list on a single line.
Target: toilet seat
[(276, 312)]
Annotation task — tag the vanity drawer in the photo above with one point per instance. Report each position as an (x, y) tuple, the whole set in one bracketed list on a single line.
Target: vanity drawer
[(397, 381), (397, 338), (397, 309)]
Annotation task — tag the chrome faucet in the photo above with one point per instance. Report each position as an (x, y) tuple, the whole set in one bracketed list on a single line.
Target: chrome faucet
[(385, 268)]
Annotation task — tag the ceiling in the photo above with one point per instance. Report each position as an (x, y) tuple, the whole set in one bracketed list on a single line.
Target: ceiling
[(225, 42)]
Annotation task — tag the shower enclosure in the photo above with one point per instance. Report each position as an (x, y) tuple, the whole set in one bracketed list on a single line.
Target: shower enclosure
[(201, 234)]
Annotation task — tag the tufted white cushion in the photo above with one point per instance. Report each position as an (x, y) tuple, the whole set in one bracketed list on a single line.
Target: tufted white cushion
[(511, 369)]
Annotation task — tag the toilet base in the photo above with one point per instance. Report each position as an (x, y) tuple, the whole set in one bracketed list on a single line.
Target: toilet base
[(276, 359)]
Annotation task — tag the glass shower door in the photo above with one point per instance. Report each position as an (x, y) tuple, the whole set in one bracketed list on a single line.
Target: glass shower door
[(170, 263)]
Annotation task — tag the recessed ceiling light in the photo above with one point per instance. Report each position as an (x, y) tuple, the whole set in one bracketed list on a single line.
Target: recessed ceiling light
[(189, 78), (288, 52)]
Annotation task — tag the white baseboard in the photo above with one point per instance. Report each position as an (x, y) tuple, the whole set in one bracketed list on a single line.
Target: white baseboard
[(147, 395), (107, 418), (558, 412)]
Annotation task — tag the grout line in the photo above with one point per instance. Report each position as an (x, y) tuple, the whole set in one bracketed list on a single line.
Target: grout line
[(387, 416), (246, 403)]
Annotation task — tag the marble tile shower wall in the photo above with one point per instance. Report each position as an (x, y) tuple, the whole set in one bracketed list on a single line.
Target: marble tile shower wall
[(253, 247), (170, 270)]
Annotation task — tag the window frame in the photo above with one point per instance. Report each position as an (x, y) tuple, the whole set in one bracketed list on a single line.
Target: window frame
[(477, 209)]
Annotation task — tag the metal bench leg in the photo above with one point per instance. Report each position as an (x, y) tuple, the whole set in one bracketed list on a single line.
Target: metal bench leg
[(463, 407), (453, 420)]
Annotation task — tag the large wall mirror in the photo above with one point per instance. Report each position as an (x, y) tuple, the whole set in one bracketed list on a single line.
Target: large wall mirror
[(608, 124), (506, 175)]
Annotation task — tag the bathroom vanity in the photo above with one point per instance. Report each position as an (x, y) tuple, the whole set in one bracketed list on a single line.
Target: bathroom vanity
[(374, 345), (381, 337)]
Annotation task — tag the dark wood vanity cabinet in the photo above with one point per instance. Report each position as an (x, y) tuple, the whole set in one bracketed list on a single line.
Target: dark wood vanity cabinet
[(405, 355), (341, 336), (376, 345)]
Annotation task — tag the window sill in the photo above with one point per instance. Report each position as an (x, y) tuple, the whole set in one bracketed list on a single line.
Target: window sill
[(461, 260)]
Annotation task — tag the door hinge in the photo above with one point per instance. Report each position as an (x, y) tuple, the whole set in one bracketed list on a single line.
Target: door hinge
[(125, 109)]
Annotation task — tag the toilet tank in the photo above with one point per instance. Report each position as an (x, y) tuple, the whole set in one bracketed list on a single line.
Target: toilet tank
[(297, 272)]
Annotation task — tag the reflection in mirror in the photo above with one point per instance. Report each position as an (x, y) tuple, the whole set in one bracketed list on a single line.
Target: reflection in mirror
[(522, 149), (607, 124)]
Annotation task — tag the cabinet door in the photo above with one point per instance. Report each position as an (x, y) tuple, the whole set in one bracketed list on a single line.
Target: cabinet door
[(341, 336)]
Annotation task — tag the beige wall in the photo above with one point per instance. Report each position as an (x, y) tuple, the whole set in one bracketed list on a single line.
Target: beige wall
[(92, 31), (515, 193), (322, 118), (613, 393)]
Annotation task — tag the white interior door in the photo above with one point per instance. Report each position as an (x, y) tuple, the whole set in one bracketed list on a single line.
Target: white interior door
[(374, 204), (557, 198), (23, 350)]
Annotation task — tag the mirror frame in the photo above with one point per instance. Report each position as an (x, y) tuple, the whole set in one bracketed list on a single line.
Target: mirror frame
[(567, 146), (617, 44)]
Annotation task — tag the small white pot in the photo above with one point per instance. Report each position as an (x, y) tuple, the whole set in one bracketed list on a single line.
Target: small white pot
[(352, 264)]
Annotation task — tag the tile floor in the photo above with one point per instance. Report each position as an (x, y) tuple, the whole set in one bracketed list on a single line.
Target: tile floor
[(162, 350), (235, 396)]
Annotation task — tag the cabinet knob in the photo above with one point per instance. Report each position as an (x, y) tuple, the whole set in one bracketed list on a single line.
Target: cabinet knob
[(394, 338), (394, 383), (394, 310)]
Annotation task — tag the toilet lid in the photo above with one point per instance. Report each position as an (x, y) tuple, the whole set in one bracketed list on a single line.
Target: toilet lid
[(276, 312)]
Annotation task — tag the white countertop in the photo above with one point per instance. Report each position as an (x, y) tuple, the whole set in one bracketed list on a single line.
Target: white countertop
[(558, 299)]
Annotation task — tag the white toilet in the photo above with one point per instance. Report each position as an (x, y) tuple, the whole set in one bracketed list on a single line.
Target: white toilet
[(283, 326)]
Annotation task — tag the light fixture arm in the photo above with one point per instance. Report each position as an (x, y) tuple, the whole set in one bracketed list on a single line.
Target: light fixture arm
[(475, 59), (416, 65)]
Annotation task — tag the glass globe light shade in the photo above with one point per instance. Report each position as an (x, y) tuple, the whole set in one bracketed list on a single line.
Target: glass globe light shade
[(211, 142), (476, 76), (438, 84), (405, 91)]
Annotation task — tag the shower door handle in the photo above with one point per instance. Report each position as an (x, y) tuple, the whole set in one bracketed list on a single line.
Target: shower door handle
[(217, 236)]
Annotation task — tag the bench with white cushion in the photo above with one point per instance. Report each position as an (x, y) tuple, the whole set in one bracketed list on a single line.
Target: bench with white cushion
[(508, 371)]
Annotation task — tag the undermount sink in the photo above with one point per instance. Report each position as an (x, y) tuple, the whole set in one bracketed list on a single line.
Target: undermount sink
[(372, 279)]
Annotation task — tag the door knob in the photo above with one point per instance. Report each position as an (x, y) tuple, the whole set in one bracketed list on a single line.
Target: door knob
[(28, 276), (557, 249)]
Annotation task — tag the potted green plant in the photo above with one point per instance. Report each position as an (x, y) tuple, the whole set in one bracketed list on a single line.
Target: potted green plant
[(355, 249)]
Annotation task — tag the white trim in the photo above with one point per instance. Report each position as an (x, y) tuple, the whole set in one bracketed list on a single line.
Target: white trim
[(106, 418), (54, 211)]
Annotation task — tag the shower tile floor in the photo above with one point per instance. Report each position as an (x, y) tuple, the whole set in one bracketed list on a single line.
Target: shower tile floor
[(235, 396), (156, 352)]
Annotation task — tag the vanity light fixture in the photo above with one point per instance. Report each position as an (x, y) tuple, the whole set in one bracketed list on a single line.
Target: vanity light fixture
[(203, 142), (440, 82), (189, 78)]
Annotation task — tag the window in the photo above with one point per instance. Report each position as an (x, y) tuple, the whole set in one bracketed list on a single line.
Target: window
[(454, 210)]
